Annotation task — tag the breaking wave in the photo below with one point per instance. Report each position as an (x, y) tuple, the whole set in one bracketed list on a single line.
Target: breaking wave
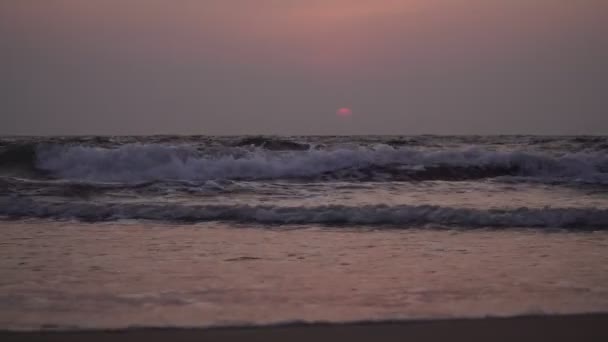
[(268, 159), (141, 163), (402, 216)]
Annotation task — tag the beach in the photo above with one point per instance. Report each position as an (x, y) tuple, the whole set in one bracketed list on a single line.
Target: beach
[(197, 236), (415, 170)]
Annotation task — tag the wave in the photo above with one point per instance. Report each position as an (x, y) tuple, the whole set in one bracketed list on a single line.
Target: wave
[(11, 186), (402, 216), (140, 163), (16, 158), (273, 144), (137, 163)]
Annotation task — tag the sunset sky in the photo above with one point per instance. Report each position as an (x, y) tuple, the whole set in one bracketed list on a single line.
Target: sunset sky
[(288, 66)]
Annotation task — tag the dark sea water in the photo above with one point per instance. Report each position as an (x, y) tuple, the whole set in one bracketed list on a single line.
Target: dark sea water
[(464, 181), (198, 230)]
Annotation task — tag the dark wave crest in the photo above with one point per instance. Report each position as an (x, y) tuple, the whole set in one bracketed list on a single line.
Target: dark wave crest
[(272, 144), (399, 173), (400, 216), (20, 159)]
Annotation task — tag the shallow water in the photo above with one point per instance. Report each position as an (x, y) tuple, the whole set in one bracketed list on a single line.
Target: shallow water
[(67, 275)]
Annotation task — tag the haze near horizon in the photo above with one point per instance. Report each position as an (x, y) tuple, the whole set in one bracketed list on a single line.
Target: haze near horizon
[(296, 67)]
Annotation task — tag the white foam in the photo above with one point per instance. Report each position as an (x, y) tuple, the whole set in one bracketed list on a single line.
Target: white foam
[(137, 163)]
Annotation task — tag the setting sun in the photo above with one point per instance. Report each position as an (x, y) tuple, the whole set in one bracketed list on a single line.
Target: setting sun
[(344, 112)]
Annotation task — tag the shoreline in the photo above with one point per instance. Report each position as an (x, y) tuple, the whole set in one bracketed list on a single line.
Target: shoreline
[(582, 327)]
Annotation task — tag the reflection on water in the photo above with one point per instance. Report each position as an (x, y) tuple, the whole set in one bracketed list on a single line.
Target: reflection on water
[(122, 274)]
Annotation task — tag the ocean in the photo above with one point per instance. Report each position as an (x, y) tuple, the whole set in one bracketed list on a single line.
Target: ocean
[(201, 231)]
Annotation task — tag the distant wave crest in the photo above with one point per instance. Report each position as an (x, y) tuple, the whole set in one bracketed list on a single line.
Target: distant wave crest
[(400, 216)]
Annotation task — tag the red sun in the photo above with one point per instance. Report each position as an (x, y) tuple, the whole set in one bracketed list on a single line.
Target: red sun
[(344, 112)]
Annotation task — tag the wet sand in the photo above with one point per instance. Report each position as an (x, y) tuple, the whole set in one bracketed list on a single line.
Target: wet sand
[(114, 276), (531, 328)]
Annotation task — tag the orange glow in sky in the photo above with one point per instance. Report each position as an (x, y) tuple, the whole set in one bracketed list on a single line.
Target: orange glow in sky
[(321, 36), (344, 112), (400, 63)]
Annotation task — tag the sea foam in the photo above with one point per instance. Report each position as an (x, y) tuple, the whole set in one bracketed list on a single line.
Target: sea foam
[(140, 163)]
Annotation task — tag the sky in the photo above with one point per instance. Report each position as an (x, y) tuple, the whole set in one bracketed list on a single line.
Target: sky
[(224, 67)]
